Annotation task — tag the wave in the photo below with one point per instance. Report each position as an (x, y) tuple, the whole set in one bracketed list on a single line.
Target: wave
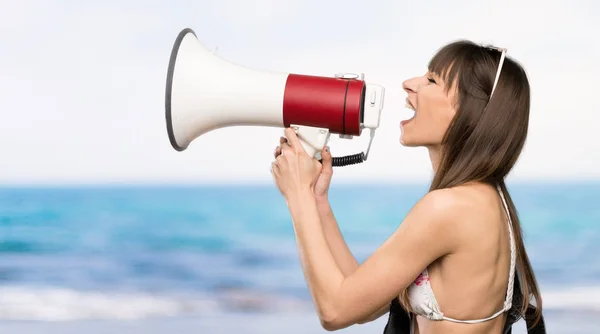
[(56, 304), (574, 298)]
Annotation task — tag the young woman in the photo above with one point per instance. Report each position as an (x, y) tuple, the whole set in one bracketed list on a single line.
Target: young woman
[(452, 263)]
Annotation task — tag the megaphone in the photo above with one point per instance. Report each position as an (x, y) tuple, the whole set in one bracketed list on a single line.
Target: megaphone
[(205, 92)]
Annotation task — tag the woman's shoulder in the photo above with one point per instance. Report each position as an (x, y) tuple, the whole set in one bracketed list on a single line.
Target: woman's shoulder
[(461, 205), (454, 199), (443, 219)]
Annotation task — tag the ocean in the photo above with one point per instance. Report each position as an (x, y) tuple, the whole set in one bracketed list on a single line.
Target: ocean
[(214, 259)]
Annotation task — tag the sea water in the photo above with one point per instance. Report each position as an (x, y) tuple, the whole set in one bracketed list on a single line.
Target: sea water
[(127, 253)]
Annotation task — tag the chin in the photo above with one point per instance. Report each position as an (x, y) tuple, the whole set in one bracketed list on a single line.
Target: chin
[(407, 142)]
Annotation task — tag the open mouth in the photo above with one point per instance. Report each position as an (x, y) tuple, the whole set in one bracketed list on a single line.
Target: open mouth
[(409, 106)]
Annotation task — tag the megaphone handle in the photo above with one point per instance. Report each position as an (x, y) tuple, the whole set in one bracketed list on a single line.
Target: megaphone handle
[(312, 151), (312, 139)]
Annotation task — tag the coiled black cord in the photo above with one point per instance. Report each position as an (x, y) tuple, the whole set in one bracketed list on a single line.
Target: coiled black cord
[(347, 160)]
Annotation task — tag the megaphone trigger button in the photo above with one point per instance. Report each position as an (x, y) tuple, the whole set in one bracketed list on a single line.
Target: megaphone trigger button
[(373, 99)]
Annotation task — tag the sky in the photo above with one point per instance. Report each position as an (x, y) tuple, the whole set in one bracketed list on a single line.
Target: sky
[(83, 83)]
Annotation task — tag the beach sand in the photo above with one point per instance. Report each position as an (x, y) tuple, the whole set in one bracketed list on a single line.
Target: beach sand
[(557, 323)]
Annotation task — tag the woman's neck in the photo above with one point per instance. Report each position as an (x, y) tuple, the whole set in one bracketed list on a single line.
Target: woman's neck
[(435, 156)]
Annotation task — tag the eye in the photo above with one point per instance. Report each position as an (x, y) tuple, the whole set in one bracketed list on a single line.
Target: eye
[(431, 80)]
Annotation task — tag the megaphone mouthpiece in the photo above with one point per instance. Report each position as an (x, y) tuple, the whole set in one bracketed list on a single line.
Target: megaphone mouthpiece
[(205, 92)]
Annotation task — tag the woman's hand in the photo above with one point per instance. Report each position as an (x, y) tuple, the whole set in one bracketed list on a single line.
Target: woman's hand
[(294, 171), (321, 187)]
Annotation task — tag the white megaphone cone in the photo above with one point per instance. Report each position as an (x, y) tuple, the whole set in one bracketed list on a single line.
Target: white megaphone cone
[(205, 92)]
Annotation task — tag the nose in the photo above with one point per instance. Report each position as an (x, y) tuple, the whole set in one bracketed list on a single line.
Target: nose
[(410, 85)]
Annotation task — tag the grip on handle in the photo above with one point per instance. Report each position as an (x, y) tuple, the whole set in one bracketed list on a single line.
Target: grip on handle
[(312, 139)]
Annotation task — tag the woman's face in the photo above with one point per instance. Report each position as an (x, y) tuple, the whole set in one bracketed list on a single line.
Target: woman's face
[(434, 110)]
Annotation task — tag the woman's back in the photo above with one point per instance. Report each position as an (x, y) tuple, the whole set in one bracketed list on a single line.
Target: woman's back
[(472, 283)]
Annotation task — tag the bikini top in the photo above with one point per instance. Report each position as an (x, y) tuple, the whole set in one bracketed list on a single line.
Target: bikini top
[(422, 298)]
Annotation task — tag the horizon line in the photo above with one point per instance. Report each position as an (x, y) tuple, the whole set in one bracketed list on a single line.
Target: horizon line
[(264, 183)]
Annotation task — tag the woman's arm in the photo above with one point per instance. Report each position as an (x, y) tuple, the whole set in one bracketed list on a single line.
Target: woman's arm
[(345, 299), (339, 248)]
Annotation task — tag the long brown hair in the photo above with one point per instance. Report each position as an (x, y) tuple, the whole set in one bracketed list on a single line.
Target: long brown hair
[(486, 135)]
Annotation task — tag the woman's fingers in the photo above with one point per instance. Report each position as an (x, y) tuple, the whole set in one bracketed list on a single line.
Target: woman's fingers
[(282, 140)]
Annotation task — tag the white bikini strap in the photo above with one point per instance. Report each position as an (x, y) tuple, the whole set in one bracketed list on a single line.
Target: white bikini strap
[(475, 321), (513, 255)]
